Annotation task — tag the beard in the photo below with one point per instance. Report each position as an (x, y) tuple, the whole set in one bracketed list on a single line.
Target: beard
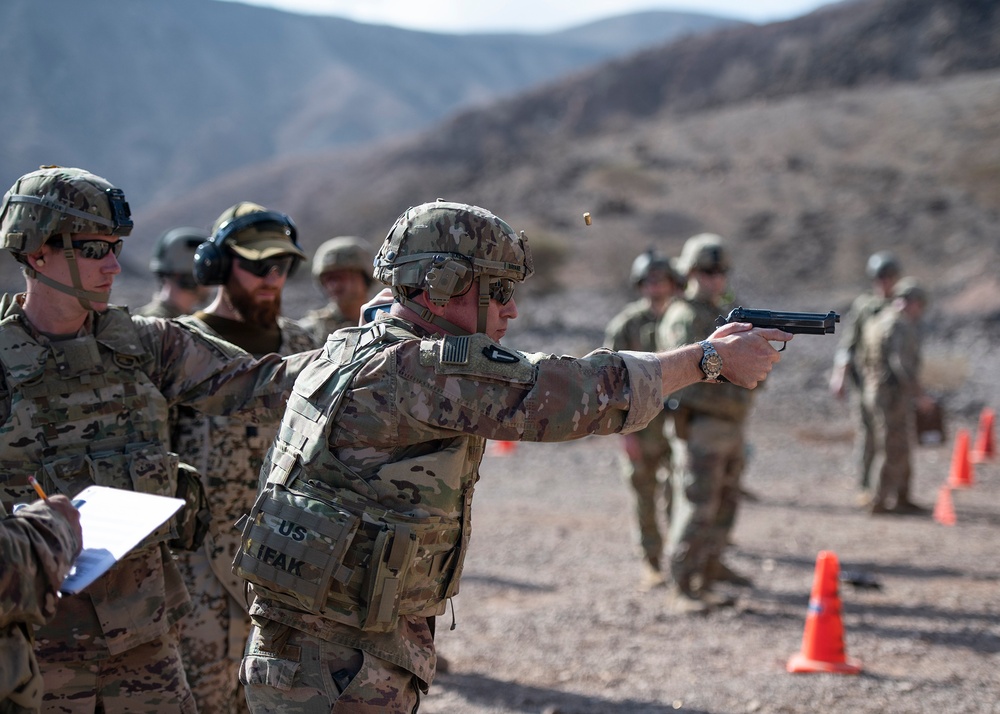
[(260, 314)]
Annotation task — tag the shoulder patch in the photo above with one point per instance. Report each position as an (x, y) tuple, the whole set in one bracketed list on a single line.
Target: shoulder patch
[(476, 356), (496, 354), (455, 350)]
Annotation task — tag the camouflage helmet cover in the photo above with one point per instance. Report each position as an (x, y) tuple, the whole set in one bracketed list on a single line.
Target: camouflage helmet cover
[(174, 252), (705, 251), (653, 262), (55, 200), (344, 253), (442, 247), (882, 264)]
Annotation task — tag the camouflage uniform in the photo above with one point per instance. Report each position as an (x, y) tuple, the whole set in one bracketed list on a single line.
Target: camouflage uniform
[(93, 410), (709, 452), (227, 453), (325, 321), (37, 547), (634, 328), (863, 309), (891, 365), (359, 534)]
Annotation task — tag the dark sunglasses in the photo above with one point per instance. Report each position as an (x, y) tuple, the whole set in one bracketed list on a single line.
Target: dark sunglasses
[(97, 249), (502, 290), (284, 265), (714, 271)]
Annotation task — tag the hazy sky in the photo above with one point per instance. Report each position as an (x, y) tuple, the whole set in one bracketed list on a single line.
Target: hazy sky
[(527, 15)]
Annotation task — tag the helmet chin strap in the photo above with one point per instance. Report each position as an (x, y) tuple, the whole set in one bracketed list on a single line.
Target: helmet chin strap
[(427, 316), (85, 297)]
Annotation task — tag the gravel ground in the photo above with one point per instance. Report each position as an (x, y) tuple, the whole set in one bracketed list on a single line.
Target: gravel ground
[(549, 618)]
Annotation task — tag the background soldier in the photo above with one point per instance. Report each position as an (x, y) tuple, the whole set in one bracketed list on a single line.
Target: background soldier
[(890, 354), (227, 452), (883, 271), (343, 269), (647, 450), (37, 548), (85, 398), (172, 263), (358, 537), (707, 438)]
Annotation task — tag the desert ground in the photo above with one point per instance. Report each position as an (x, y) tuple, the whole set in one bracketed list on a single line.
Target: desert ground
[(549, 618)]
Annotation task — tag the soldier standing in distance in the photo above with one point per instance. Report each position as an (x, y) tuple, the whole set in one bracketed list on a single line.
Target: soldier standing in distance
[(261, 253), (361, 527), (890, 362), (342, 267), (85, 391), (37, 548), (172, 263), (707, 438), (647, 451), (883, 270)]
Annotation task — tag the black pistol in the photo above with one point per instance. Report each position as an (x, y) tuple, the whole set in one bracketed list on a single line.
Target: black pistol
[(798, 323)]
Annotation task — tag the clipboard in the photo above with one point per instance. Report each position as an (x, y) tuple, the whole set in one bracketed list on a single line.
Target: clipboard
[(114, 521)]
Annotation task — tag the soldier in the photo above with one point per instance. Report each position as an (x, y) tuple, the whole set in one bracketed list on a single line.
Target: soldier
[(883, 271), (647, 450), (707, 439), (360, 529), (37, 548), (890, 358), (227, 452), (172, 263), (85, 390), (343, 269)]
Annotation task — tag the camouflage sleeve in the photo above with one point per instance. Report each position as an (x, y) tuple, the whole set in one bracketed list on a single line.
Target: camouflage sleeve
[(216, 377), (37, 548), (424, 390)]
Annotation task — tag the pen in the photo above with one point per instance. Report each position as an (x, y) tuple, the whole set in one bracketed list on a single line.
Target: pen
[(38, 488)]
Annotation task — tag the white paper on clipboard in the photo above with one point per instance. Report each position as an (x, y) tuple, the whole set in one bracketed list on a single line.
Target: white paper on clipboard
[(114, 521)]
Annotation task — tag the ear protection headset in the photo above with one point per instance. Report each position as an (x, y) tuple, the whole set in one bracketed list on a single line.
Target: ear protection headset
[(213, 261)]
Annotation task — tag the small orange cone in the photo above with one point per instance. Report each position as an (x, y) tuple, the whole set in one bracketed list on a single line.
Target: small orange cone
[(502, 448), (961, 469), (944, 510), (823, 639), (985, 449)]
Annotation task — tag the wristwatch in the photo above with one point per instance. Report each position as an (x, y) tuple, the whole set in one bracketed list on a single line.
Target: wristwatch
[(711, 362)]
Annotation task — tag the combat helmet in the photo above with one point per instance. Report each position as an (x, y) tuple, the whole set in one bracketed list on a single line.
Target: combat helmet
[(441, 248), (174, 252), (706, 252), (55, 202), (343, 253), (881, 265), (649, 262)]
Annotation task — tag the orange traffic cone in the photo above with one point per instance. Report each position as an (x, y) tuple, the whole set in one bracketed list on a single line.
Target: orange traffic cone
[(985, 449), (823, 639), (961, 469), (944, 510), (502, 448)]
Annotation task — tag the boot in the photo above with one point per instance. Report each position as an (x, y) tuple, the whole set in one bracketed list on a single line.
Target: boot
[(718, 572), (652, 576)]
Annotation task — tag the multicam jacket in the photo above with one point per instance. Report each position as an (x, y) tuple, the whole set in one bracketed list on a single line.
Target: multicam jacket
[(325, 321), (406, 437), (93, 410), (36, 550), (228, 452)]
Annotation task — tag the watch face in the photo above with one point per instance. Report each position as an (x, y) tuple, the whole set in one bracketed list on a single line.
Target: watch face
[(711, 363)]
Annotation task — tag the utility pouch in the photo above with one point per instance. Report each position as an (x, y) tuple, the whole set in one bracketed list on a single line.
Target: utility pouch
[(294, 546), (392, 557), (192, 522)]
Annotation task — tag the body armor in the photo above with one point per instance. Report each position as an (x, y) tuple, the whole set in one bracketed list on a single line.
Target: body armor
[(81, 412), (320, 538)]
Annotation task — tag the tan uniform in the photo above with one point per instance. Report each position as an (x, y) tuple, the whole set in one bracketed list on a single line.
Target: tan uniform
[(227, 453), (37, 547), (863, 309), (634, 328), (709, 451), (375, 463), (891, 368), (93, 410), (325, 321)]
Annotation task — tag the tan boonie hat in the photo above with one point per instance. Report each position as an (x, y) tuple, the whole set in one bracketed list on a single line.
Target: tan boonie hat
[(255, 233)]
